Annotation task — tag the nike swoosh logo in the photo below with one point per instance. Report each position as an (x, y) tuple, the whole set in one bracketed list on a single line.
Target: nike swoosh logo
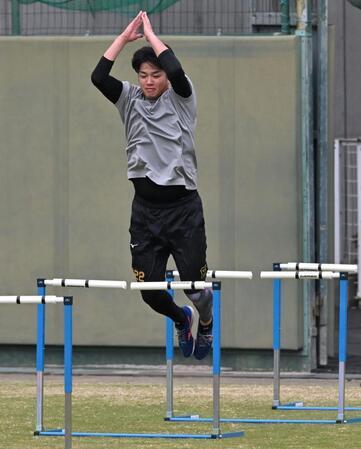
[(133, 245)]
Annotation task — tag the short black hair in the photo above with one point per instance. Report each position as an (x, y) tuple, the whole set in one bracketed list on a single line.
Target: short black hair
[(146, 54)]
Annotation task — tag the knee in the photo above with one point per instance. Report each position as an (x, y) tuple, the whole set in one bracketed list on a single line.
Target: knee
[(199, 296), (150, 297), (202, 301), (193, 295)]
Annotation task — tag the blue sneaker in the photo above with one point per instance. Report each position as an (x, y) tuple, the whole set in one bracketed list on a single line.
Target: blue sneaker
[(204, 341), (185, 337)]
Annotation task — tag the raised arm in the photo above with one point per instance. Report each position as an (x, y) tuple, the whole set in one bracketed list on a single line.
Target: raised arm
[(130, 34), (108, 85), (168, 60)]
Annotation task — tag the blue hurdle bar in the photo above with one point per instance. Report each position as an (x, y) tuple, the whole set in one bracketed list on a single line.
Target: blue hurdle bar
[(40, 346), (68, 368), (169, 338), (68, 345), (67, 431), (60, 433)]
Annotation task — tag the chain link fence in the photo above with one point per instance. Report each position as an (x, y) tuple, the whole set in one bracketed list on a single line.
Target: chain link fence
[(347, 205), (171, 17)]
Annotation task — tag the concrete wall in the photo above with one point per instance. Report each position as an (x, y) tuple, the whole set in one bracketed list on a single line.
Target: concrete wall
[(347, 93), (65, 197)]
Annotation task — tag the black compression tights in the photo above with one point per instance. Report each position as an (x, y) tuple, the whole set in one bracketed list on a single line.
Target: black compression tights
[(162, 302)]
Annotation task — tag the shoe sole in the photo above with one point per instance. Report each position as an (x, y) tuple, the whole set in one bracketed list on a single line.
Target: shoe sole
[(198, 357)]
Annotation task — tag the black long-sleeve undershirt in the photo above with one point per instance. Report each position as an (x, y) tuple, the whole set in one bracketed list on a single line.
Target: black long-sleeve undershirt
[(175, 73), (108, 85), (111, 88)]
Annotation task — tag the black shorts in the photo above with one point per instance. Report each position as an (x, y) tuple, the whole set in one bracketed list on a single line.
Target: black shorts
[(158, 231)]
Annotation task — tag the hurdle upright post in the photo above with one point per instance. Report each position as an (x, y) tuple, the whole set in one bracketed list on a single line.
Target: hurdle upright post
[(342, 346), (40, 349), (276, 337), (68, 368), (216, 288), (169, 353)]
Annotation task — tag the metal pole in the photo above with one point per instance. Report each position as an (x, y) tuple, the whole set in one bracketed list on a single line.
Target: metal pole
[(337, 199), (322, 81), (40, 349), (216, 287), (15, 18), (358, 150), (68, 368), (342, 346), (169, 353), (304, 31), (285, 16)]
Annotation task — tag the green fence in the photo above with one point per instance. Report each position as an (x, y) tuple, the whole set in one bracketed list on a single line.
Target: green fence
[(171, 17), (130, 7)]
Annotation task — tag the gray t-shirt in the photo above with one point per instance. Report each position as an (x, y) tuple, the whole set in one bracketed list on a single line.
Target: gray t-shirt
[(160, 136)]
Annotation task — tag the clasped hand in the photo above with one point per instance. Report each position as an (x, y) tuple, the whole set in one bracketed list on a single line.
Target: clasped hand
[(131, 32)]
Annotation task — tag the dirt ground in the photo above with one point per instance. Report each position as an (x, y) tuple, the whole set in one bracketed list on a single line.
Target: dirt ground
[(242, 379)]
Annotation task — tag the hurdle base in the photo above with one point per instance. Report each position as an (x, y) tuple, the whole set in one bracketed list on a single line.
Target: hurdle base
[(61, 433), (194, 418), (300, 406), (186, 418)]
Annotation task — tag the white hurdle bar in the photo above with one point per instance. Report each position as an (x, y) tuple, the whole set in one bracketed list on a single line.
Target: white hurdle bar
[(173, 285), (86, 283), (299, 266), (222, 274), (32, 299), (277, 276), (299, 275)]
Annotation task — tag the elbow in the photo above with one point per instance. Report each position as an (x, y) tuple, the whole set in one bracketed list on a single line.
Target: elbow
[(96, 79)]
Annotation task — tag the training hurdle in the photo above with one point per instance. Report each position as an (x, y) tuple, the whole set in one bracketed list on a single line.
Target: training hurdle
[(311, 271), (163, 285), (67, 301), (40, 340), (277, 276), (170, 275), (219, 274)]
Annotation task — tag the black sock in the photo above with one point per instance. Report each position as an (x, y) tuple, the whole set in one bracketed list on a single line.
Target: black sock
[(181, 324), (205, 328)]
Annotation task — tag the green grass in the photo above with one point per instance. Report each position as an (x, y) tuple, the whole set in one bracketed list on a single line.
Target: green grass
[(133, 407)]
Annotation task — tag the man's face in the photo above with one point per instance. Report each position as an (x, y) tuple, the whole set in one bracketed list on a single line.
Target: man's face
[(152, 80)]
